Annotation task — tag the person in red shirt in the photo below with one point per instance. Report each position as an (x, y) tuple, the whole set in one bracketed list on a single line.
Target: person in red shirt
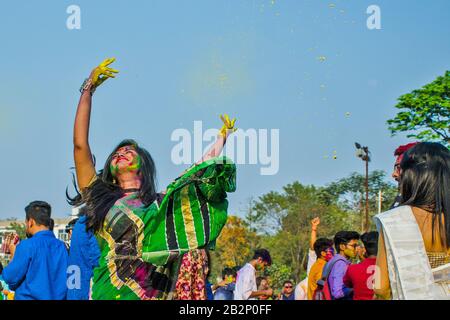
[(361, 276)]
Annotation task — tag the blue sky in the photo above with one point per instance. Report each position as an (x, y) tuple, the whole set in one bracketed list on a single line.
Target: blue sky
[(182, 61)]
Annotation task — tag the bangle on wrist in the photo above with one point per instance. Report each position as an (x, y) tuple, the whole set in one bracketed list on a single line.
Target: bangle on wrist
[(87, 85)]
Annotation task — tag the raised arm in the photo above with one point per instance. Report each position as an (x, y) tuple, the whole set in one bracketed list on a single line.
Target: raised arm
[(314, 225), (84, 164), (217, 147)]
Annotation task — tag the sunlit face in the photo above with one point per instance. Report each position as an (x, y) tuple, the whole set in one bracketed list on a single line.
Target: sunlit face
[(361, 251), (264, 285), (230, 279), (288, 287), (397, 171), (350, 248), (328, 254), (28, 227), (125, 159), (261, 265)]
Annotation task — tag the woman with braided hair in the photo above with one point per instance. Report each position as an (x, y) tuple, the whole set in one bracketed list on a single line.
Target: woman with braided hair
[(152, 244)]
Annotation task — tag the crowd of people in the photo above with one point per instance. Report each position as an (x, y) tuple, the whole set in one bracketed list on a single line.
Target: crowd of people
[(131, 242), (407, 258), (341, 268)]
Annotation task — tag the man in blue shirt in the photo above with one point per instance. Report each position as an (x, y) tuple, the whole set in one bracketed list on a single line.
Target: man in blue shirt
[(225, 289), (38, 267), (84, 254)]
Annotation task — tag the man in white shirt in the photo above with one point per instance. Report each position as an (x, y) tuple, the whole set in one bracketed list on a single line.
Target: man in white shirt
[(246, 288), (301, 290)]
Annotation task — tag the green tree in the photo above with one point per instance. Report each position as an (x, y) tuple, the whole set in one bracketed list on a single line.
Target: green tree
[(277, 274), (283, 220), (234, 246), (425, 112), (19, 228), (350, 192)]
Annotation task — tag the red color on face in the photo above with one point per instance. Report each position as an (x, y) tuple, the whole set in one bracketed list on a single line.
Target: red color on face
[(329, 255), (126, 153), (396, 173), (399, 159)]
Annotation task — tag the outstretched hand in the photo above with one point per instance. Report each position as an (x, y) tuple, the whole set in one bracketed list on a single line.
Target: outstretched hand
[(228, 125), (103, 72)]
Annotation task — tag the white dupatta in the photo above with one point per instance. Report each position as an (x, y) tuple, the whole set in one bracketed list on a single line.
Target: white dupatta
[(410, 273)]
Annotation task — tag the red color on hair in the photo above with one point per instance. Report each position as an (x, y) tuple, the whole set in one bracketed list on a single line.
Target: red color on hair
[(402, 149)]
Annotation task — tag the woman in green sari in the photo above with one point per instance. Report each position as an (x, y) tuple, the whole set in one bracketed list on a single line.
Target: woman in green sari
[(152, 244)]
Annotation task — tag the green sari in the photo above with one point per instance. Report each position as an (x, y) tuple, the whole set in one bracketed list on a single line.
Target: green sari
[(141, 247)]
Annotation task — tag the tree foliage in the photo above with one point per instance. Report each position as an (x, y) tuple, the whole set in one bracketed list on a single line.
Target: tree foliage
[(277, 274), (425, 112), (350, 192), (284, 220), (19, 228), (280, 221), (234, 246)]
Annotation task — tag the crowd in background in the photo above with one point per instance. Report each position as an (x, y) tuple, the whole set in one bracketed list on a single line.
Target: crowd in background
[(345, 266)]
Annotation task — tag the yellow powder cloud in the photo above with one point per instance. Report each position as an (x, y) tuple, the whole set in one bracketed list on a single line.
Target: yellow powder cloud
[(216, 78)]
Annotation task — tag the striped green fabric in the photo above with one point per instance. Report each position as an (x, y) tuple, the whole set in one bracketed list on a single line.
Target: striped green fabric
[(192, 213), (141, 246)]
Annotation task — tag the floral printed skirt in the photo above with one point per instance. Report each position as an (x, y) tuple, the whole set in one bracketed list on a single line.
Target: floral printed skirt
[(192, 274)]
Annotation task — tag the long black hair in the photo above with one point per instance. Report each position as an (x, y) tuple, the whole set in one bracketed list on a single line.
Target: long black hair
[(101, 195), (425, 183)]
